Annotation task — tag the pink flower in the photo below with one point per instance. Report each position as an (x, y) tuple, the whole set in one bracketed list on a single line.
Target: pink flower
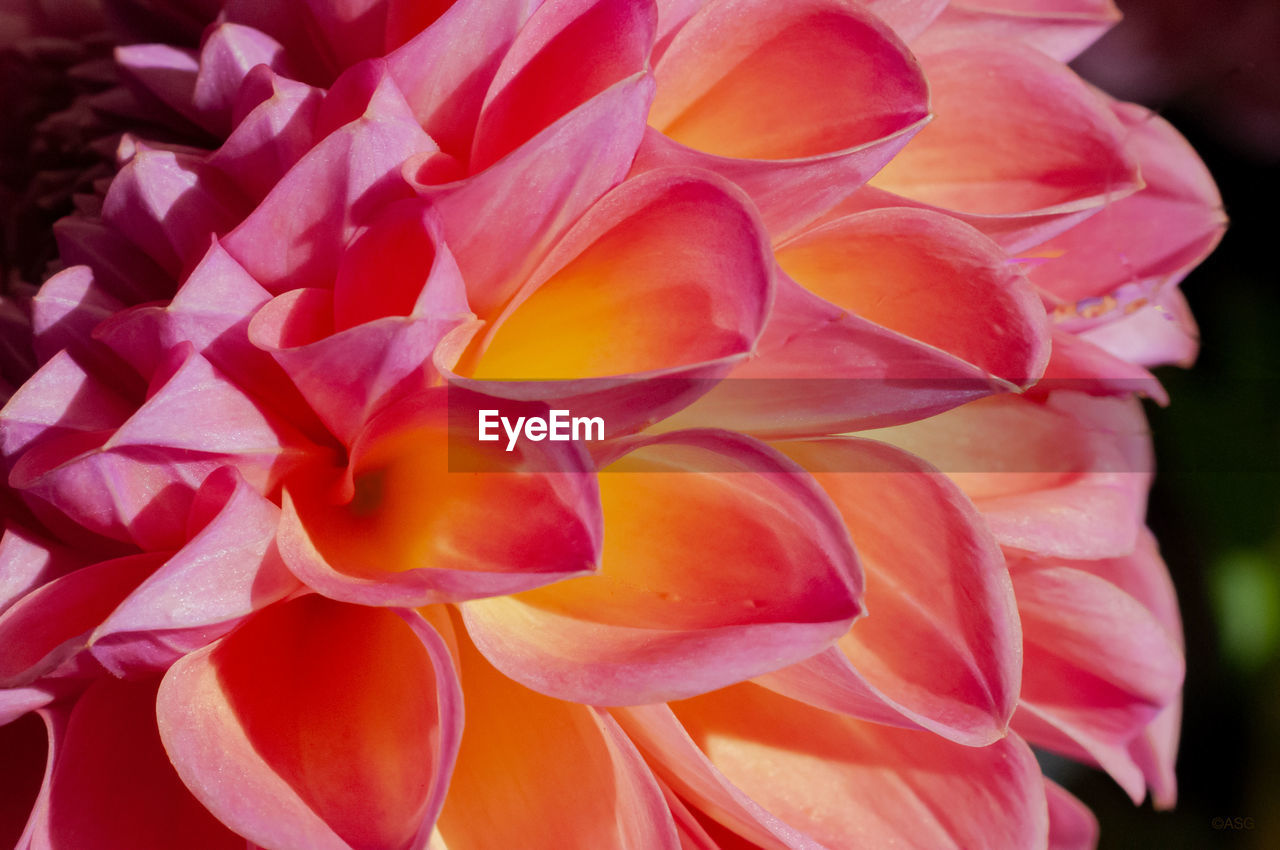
[(259, 580)]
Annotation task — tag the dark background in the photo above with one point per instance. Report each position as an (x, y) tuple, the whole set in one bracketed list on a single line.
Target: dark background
[(1212, 68)]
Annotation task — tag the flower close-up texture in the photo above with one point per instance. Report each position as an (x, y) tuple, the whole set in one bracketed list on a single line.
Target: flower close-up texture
[(854, 300)]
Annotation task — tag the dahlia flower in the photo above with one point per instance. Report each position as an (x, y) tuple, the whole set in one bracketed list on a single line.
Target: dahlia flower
[(862, 296)]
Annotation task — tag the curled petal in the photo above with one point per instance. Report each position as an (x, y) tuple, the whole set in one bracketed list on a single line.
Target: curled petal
[(275, 126), (761, 93), (502, 222), (565, 54), (295, 236), (539, 773), (43, 632), (1064, 475), (667, 277), (170, 205), (942, 650), (752, 570), (402, 528), (105, 789), (898, 268), (354, 350), (29, 562), (1060, 28), (231, 556), (445, 87), (1018, 137), (1071, 825), (317, 724), (784, 774)]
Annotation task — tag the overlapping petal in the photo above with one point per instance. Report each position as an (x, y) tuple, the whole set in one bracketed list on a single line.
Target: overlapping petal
[(938, 591), (398, 526), (317, 724), (752, 570), (782, 774), (738, 93)]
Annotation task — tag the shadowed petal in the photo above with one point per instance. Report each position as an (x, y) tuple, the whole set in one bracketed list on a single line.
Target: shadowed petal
[(319, 725), (541, 774), (942, 649), (784, 774)]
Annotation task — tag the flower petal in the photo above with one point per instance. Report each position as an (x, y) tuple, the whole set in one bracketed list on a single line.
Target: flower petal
[(231, 557), (502, 222), (784, 774), (317, 724), (44, 631), (111, 777), (565, 54), (666, 617), (898, 267), (942, 650), (1065, 475), (1071, 825), (798, 103), (1060, 28), (537, 773), (667, 277), (295, 236), (355, 350), (402, 528), (1017, 135)]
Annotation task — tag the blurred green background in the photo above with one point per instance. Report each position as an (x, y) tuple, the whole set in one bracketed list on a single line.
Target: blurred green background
[(1213, 70)]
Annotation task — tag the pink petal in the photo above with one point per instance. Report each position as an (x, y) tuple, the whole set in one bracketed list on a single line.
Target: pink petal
[(43, 630), (295, 236), (1078, 364), (1016, 135), (908, 18), (231, 559), (171, 205), (119, 267), (819, 370), (1071, 825), (897, 267), (110, 776), (664, 283), (317, 724), (66, 309), (64, 396), (1060, 28), (1065, 475), (211, 312), (1161, 331), (31, 561), (355, 350), (783, 774), (398, 527), (664, 618), (1111, 268), (229, 53), (136, 484), (542, 774), (166, 72), (567, 53), (445, 86), (503, 221), (942, 650), (747, 89), (274, 127), (1099, 665)]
